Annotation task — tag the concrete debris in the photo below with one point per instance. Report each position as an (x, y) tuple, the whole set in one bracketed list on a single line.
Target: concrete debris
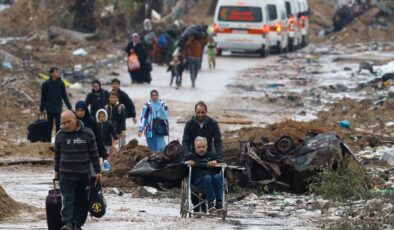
[(144, 191)]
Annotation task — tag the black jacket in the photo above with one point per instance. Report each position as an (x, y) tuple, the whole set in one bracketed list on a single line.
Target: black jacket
[(200, 168), (127, 102), (75, 151), (97, 100), (99, 139), (52, 94), (116, 114), (108, 132), (210, 130)]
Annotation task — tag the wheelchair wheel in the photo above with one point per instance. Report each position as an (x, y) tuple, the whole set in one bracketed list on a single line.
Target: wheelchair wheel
[(184, 199), (224, 214)]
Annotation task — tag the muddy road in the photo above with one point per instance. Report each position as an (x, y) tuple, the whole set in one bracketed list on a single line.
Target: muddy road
[(29, 184)]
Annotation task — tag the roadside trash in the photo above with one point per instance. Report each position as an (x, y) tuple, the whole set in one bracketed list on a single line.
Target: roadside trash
[(7, 66), (107, 165), (76, 86), (80, 52), (345, 124), (274, 85)]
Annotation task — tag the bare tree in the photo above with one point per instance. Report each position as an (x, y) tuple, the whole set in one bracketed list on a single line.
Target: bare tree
[(85, 18)]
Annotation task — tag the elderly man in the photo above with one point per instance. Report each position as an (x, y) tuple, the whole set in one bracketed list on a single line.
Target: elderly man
[(204, 126), (205, 175), (75, 150)]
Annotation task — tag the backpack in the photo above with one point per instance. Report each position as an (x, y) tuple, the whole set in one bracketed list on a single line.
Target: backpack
[(120, 108), (162, 41)]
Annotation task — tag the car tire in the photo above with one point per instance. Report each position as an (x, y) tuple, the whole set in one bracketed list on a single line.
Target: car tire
[(263, 52), (291, 45)]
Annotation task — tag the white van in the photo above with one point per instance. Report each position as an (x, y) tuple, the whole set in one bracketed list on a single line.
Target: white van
[(278, 22), (295, 35), (241, 26), (303, 16)]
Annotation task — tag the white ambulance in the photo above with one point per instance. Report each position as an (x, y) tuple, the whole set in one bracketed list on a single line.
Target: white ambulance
[(241, 26), (278, 23)]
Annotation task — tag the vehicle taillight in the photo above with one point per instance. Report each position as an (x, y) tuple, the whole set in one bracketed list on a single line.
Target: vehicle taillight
[(266, 28), (215, 28), (291, 23), (302, 21), (279, 27)]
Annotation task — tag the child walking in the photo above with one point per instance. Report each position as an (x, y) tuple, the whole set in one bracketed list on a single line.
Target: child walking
[(117, 116), (211, 52), (108, 132)]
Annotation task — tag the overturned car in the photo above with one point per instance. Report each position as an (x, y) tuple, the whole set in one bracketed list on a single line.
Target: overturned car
[(286, 164)]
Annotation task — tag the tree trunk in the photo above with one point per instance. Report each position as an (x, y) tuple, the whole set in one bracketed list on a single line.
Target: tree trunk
[(84, 16)]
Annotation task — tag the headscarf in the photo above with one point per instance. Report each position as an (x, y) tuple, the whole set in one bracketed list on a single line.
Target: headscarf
[(157, 107), (87, 120), (96, 82), (136, 39)]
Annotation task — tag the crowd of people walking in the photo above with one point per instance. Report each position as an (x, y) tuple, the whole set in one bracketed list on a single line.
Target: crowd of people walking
[(96, 128)]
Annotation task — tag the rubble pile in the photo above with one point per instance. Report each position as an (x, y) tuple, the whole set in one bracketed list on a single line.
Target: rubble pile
[(366, 119), (366, 24), (8, 206), (122, 163)]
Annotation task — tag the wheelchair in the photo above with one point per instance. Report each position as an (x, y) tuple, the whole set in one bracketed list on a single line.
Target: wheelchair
[(193, 198)]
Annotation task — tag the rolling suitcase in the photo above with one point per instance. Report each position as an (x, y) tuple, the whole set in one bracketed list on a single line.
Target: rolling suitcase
[(53, 206), (39, 131)]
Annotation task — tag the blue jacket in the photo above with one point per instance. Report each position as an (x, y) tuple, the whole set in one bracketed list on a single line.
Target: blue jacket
[(52, 94)]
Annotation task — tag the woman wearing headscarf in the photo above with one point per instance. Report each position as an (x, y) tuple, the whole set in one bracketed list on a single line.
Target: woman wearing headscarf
[(97, 98), (136, 47), (154, 122), (82, 112)]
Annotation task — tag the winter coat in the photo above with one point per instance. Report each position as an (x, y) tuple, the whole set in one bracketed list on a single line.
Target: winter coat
[(117, 116), (193, 49), (53, 92), (107, 129), (200, 168), (75, 151), (97, 100), (210, 130), (127, 102)]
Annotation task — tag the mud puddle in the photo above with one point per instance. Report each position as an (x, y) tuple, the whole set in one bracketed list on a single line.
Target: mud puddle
[(29, 184)]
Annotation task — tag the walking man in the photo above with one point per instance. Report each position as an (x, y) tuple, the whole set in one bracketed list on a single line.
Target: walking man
[(203, 126), (53, 92), (192, 56), (75, 150)]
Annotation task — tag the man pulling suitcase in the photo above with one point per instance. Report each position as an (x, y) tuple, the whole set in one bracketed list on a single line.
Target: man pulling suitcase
[(75, 150)]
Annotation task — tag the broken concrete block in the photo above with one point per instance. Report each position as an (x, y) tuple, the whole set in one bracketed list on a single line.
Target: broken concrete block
[(144, 191)]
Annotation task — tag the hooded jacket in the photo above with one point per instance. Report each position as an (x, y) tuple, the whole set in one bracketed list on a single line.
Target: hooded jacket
[(107, 129), (210, 130), (74, 151), (53, 92)]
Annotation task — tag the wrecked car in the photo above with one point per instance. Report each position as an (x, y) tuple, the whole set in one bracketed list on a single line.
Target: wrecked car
[(165, 166), (288, 165)]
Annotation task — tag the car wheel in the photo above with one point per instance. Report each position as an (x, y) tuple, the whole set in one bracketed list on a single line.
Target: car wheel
[(291, 44)]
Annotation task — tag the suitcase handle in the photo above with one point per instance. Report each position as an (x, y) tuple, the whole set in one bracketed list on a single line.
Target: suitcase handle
[(54, 186)]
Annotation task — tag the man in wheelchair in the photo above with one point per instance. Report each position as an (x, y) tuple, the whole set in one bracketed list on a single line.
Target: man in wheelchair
[(205, 175)]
